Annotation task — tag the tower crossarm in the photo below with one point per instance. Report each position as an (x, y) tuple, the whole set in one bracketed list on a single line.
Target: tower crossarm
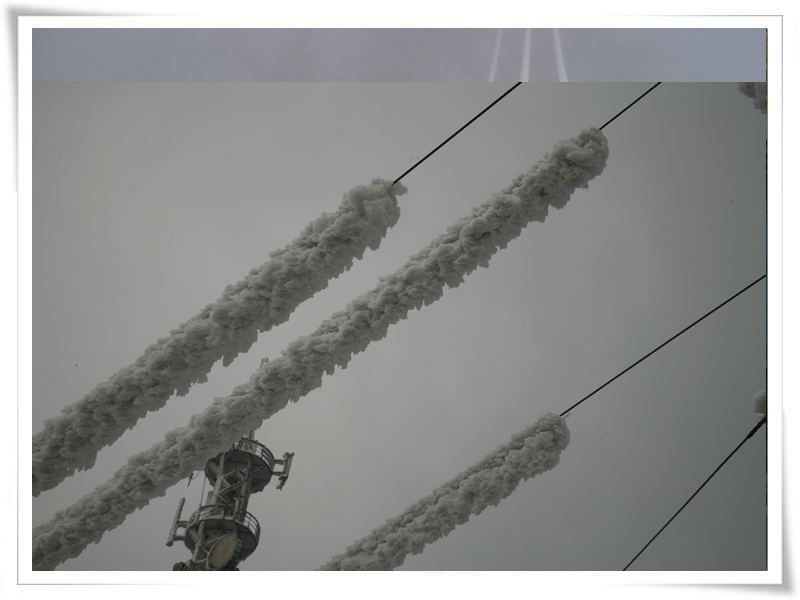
[(287, 465), (176, 523)]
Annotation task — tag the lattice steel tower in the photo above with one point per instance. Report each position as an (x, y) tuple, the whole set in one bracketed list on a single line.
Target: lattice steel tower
[(221, 533)]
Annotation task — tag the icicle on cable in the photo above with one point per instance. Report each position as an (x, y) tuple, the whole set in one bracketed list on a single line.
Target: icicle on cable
[(467, 244), (265, 298), (530, 452)]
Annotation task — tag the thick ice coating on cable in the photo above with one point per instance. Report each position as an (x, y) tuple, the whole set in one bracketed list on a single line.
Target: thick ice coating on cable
[(758, 92), (263, 299), (466, 244), (530, 452)]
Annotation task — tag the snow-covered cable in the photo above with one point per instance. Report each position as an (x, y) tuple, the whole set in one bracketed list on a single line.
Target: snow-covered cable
[(467, 244), (265, 298), (758, 92), (530, 452)]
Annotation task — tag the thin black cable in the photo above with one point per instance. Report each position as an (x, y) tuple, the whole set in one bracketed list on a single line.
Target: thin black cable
[(684, 330), (747, 437), (423, 159), (631, 104), (428, 155)]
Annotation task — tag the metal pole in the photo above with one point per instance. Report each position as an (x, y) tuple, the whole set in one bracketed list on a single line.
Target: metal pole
[(493, 70), (526, 57)]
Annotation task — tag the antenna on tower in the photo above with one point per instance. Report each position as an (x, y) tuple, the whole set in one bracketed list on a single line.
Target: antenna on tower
[(221, 533)]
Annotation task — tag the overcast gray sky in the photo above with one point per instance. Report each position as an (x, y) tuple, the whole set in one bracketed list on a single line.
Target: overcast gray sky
[(150, 198), (412, 54)]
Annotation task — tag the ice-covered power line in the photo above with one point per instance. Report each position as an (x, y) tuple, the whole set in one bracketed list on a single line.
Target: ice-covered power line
[(758, 92), (530, 452), (468, 243), (265, 298)]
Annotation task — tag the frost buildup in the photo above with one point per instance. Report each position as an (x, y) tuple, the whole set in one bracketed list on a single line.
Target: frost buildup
[(758, 92), (529, 453), (760, 403), (470, 242), (263, 299)]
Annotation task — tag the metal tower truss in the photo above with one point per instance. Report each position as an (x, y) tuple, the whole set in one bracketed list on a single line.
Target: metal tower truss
[(221, 533)]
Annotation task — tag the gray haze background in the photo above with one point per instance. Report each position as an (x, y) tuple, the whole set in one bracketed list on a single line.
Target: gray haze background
[(150, 198), (377, 54)]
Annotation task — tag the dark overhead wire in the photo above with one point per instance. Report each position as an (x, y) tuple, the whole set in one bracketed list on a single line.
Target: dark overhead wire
[(475, 118), (681, 332), (511, 89), (631, 104), (747, 437), (419, 162)]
